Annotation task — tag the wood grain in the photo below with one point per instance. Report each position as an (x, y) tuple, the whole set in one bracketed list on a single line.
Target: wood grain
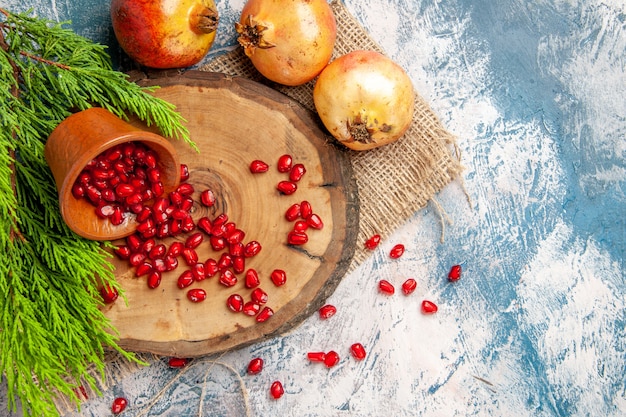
[(233, 121)]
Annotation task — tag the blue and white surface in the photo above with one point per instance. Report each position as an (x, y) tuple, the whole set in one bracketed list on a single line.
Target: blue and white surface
[(535, 91)]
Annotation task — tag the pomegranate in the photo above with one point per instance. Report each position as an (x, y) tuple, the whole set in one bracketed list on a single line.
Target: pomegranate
[(364, 99), (165, 33), (289, 42)]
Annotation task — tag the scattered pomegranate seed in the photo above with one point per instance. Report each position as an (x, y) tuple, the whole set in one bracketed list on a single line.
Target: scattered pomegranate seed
[(296, 172), (228, 278), (190, 256), (251, 249), (154, 279), (185, 279), (455, 273), (143, 269), (297, 238), (300, 226), (235, 303), (331, 359), (315, 221), (327, 311), (358, 351), (251, 308), (428, 307), (184, 172), (372, 242), (177, 362), (259, 296), (277, 390), (119, 405), (264, 315), (293, 212), (396, 251), (207, 197), (194, 240), (278, 277), (409, 286), (316, 356), (284, 163), (252, 278), (185, 189), (258, 166), (255, 366), (286, 187), (109, 294), (196, 295), (305, 209), (386, 287)]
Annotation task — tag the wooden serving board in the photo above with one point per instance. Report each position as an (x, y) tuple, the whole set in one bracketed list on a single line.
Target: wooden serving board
[(234, 121)]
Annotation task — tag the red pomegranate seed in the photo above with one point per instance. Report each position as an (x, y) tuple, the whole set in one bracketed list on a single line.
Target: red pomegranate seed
[(117, 217), (264, 315), (396, 251), (207, 197), (331, 359), (177, 362), (327, 311), (251, 249), (154, 279), (144, 214), (284, 163), (235, 236), (255, 366), (259, 296), (196, 295), (122, 252), (315, 221), (251, 308), (123, 190), (305, 209), (119, 405), (296, 172), (176, 198), (187, 224), (300, 226), (286, 187), (293, 212), (108, 195), (159, 265), (409, 286), (143, 269), (372, 242), (358, 351), (171, 263), (134, 242), (190, 256), (198, 271), (184, 172), (235, 303), (258, 166), (185, 189), (386, 287), (205, 225), (297, 238), (252, 278), (316, 356), (176, 249), (154, 175), (136, 258), (157, 252), (278, 277), (455, 273), (210, 267), (276, 390), (239, 264), (236, 250), (147, 246), (428, 307), (194, 240), (185, 279), (217, 243), (227, 278), (158, 189), (109, 294), (225, 261)]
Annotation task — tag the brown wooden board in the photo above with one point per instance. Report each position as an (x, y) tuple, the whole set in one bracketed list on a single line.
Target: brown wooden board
[(234, 121)]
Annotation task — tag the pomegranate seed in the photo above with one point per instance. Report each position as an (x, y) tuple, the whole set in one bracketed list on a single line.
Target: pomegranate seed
[(372, 242), (300, 226), (236, 250), (150, 160), (259, 296), (358, 351), (409, 286), (184, 172), (210, 267), (157, 252), (78, 191), (455, 273), (185, 279), (171, 263), (386, 287), (284, 163), (251, 249), (255, 366), (159, 265), (428, 307), (251, 308), (143, 269), (119, 405), (177, 362), (176, 198), (225, 261), (207, 197), (264, 315), (205, 225), (217, 243), (109, 294), (124, 190), (154, 175), (227, 278), (278, 277), (198, 271), (196, 295), (134, 242), (144, 214), (257, 167), (252, 278), (327, 311), (235, 236), (147, 246), (194, 240), (276, 390), (331, 359), (175, 249), (154, 279), (158, 189), (239, 264), (396, 251), (297, 238), (235, 303), (136, 258), (296, 172), (187, 224), (305, 209), (93, 194), (315, 221), (108, 195), (286, 187), (316, 356), (293, 212), (190, 256), (185, 189), (122, 252), (117, 217)]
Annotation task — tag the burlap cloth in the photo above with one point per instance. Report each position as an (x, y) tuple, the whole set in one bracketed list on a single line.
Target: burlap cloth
[(394, 181)]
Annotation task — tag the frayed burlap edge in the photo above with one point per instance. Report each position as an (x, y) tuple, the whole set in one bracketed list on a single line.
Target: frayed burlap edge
[(394, 181)]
